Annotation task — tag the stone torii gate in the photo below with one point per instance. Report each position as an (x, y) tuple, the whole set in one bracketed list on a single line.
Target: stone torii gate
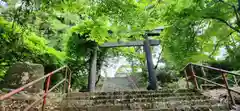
[(146, 44)]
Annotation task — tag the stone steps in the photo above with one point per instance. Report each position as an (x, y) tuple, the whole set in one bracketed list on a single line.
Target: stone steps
[(162, 104), (132, 100), (131, 92), (187, 108), (161, 100), (95, 97), (157, 108)]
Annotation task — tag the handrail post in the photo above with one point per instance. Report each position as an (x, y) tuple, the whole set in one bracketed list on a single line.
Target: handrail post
[(224, 76), (194, 77), (186, 76), (65, 83), (204, 74), (46, 91), (69, 81), (235, 80)]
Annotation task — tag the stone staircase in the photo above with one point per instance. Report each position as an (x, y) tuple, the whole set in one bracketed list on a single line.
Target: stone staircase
[(161, 100)]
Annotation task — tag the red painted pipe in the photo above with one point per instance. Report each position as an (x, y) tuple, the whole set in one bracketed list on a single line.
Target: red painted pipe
[(47, 87), (46, 91), (213, 68)]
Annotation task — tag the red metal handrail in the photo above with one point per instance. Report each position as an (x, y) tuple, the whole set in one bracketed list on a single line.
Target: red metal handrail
[(194, 77), (48, 76)]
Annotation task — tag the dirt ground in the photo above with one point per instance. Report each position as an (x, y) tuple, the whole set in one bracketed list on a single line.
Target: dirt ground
[(215, 93), (20, 101), (222, 96), (219, 93)]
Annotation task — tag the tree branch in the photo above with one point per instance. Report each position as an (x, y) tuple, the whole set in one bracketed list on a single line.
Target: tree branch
[(234, 8), (238, 5), (235, 44), (100, 60), (218, 43), (153, 6), (98, 79), (223, 21)]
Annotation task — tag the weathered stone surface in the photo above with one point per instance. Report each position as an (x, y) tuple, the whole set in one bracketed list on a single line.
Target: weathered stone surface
[(161, 100), (21, 73), (122, 96), (121, 83)]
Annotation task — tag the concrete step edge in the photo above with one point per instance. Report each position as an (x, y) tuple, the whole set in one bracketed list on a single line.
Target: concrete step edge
[(132, 92), (157, 98), (220, 107), (166, 103), (131, 95)]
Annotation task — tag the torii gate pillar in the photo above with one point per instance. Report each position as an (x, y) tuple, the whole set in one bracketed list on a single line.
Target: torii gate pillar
[(151, 73), (93, 71)]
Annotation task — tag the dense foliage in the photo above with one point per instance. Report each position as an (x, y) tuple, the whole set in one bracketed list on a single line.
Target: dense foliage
[(57, 32), (197, 29)]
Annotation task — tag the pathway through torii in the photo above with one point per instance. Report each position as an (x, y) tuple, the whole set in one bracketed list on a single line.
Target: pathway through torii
[(146, 44)]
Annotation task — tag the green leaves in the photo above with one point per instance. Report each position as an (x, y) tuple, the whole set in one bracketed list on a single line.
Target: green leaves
[(26, 46), (197, 29), (67, 31)]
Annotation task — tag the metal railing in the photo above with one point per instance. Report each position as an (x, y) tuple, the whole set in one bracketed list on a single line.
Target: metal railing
[(191, 75), (66, 80)]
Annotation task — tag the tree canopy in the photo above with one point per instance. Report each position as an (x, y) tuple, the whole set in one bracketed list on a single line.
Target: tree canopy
[(197, 29), (57, 32)]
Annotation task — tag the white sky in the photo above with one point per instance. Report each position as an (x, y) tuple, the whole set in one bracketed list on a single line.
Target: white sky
[(2, 3), (222, 55), (116, 62)]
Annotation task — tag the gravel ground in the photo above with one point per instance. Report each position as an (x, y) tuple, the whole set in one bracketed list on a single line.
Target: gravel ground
[(20, 101)]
